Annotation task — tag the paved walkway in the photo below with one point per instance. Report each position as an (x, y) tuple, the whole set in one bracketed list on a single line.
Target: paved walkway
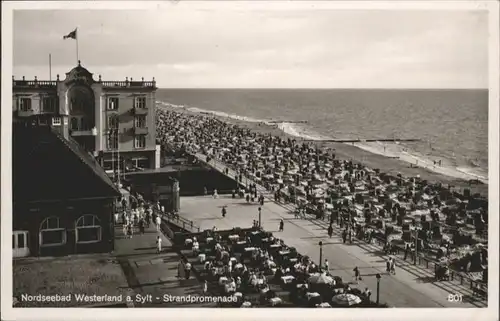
[(150, 275)]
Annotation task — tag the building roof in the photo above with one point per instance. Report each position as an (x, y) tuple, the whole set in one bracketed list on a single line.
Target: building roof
[(47, 167)]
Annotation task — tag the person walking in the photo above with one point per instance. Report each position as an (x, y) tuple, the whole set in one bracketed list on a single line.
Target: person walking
[(130, 230), (205, 287), (224, 211), (330, 230), (344, 236), (282, 225), (357, 275), (125, 227), (158, 244), (388, 264), (393, 266), (141, 226), (180, 269), (327, 266), (187, 267), (158, 223), (407, 250), (148, 218), (367, 293)]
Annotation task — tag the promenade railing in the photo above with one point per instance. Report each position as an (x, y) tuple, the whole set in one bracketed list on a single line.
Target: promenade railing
[(178, 220)]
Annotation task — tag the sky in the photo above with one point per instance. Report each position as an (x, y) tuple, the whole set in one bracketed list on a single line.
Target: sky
[(211, 48)]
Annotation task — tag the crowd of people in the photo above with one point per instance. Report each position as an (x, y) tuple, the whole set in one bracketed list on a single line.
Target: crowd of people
[(408, 212), (259, 269), (136, 214)]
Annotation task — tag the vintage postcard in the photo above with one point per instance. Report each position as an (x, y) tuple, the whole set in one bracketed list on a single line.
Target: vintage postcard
[(208, 156)]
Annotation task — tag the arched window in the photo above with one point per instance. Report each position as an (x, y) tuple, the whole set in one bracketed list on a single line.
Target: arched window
[(51, 232), (88, 229), (74, 123)]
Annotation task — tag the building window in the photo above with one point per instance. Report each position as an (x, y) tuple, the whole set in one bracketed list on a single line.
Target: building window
[(74, 123), (140, 141), (113, 125), (56, 121), (113, 122), (140, 121), (140, 162), (112, 142), (42, 121), (51, 233), (49, 104), (25, 104), (85, 124), (140, 102), (20, 241), (88, 229), (113, 103)]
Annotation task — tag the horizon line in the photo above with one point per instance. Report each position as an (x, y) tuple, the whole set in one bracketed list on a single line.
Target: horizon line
[(312, 88)]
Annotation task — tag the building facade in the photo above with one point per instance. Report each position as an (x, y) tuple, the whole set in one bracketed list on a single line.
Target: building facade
[(113, 120), (63, 201)]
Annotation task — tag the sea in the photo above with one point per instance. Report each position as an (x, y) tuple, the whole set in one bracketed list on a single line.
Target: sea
[(452, 125)]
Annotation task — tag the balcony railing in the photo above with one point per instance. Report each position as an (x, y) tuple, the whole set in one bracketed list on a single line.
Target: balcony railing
[(34, 83), (84, 132), (25, 113), (140, 111), (140, 130), (129, 84)]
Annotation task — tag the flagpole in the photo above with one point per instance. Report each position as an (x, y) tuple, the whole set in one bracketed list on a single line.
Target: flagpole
[(50, 67), (76, 38)]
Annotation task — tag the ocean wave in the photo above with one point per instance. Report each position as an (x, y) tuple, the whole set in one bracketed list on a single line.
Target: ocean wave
[(393, 150), (300, 132)]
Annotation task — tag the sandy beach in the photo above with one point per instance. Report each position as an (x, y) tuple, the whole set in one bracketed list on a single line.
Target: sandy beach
[(346, 151)]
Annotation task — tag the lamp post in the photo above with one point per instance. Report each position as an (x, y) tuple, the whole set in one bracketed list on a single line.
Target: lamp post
[(378, 287), (349, 226), (416, 247), (260, 221), (320, 254)]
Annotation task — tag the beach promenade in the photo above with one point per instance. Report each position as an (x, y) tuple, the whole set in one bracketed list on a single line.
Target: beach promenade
[(410, 287), (151, 276)]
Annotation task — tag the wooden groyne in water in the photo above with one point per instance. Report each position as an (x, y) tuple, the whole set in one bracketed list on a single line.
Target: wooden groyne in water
[(287, 121), (364, 140)]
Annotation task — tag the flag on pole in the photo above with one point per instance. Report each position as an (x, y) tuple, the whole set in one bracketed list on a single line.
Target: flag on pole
[(71, 35)]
